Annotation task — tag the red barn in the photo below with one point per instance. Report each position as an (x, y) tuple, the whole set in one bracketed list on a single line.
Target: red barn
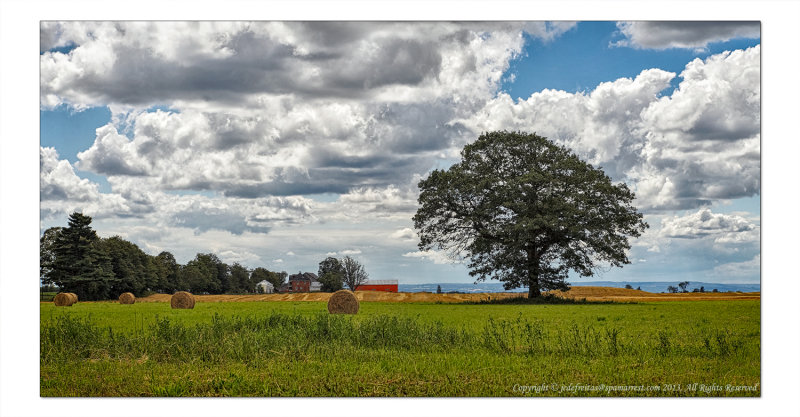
[(389, 285)]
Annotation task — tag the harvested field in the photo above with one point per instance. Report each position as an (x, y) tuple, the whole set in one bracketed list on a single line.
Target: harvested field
[(624, 295), (590, 293), (378, 296)]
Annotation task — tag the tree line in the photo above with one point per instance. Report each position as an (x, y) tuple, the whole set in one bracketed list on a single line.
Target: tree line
[(77, 260), (681, 288)]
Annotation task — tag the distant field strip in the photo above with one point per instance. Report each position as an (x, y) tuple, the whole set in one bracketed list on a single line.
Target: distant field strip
[(589, 293)]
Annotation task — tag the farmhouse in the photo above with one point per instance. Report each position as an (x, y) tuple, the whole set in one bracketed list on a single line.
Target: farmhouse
[(389, 285), (304, 282), (265, 287)]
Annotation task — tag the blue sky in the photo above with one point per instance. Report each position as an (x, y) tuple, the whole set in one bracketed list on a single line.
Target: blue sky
[(581, 58), (278, 144)]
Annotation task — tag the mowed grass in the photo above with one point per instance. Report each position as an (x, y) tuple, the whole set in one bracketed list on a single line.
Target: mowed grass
[(401, 349)]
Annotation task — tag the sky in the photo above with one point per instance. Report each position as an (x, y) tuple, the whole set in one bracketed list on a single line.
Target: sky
[(277, 144)]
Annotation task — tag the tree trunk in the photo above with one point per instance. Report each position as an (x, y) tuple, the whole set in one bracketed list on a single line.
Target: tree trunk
[(533, 274), (533, 289)]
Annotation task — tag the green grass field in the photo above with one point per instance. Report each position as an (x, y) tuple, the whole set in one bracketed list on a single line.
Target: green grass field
[(694, 348)]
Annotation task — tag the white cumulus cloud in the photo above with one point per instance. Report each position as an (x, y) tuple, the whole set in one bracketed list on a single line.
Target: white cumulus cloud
[(722, 228), (436, 257)]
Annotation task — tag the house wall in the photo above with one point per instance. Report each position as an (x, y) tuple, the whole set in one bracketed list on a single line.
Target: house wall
[(301, 286)]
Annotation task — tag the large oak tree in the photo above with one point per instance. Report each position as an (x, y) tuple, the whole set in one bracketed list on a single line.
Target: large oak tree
[(526, 211)]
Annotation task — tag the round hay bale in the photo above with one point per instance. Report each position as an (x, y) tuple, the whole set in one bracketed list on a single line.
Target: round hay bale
[(63, 299), (127, 298), (343, 302), (74, 297), (182, 299)]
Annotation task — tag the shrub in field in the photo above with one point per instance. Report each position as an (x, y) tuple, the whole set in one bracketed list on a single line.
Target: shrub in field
[(127, 298), (343, 302), (182, 299)]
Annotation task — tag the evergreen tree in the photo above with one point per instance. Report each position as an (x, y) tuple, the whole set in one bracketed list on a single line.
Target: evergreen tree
[(79, 264)]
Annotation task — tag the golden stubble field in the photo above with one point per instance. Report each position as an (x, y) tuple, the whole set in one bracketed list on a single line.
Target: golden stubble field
[(589, 293)]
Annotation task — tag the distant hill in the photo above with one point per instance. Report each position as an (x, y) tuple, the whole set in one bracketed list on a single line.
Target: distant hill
[(655, 286)]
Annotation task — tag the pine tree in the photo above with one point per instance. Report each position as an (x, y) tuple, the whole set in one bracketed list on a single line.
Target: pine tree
[(79, 264)]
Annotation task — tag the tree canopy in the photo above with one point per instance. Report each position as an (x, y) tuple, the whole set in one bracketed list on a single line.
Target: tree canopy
[(262, 274), (526, 211), (331, 274), (77, 262), (353, 273)]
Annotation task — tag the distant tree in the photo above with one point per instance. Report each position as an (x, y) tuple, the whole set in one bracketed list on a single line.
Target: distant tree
[(702, 289), (78, 264), (331, 274), (202, 274), (672, 289), (353, 273), (259, 274), (696, 290), (639, 288), (223, 275), (526, 211), (714, 290), (239, 279), (262, 274), (682, 286), (132, 268), (438, 289), (46, 254), (628, 287), (167, 269)]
